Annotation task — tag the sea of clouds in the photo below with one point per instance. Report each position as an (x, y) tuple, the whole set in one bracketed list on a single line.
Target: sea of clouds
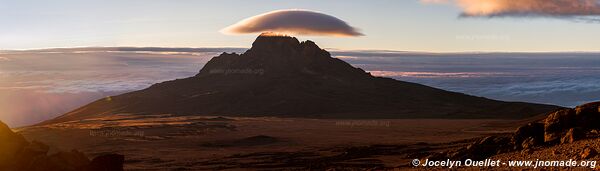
[(565, 79)]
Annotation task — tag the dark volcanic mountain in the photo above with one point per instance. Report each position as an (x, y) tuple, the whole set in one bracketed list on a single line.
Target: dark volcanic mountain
[(280, 76)]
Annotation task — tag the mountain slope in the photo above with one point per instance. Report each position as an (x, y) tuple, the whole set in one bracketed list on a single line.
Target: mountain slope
[(280, 76)]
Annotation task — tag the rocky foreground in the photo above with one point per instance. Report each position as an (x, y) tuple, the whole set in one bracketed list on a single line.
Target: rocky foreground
[(564, 134), (17, 154), (172, 142)]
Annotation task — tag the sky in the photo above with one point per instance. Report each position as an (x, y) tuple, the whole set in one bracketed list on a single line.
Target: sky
[(404, 25)]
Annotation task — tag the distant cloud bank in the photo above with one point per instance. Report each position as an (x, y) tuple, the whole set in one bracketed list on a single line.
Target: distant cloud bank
[(574, 9), (294, 22), (36, 85)]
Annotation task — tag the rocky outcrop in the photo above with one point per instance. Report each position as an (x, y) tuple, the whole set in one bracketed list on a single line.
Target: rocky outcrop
[(588, 153), (562, 126), (17, 154), (557, 123), (528, 136), (588, 116), (568, 125), (572, 135), (11, 146)]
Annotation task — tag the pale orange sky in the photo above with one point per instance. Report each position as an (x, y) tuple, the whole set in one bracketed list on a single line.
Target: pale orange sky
[(388, 25)]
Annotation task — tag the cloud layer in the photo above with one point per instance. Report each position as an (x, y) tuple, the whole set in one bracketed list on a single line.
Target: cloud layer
[(516, 8), (565, 79), (37, 85), (293, 22)]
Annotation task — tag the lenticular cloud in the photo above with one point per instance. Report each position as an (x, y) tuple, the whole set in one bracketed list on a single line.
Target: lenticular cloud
[(294, 22)]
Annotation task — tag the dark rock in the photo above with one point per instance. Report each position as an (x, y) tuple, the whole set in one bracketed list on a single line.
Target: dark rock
[(10, 145), (588, 153), (17, 154), (572, 135), (107, 162), (28, 157), (528, 135), (588, 115), (564, 126), (529, 143), (558, 122)]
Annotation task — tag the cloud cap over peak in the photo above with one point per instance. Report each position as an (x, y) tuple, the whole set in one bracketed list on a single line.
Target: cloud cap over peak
[(294, 22)]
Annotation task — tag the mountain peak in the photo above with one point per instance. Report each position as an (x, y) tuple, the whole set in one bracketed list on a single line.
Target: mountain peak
[(278, 55), (275, 36), (273, 42)]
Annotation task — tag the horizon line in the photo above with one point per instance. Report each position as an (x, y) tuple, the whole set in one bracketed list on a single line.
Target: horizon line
[(328, 49)]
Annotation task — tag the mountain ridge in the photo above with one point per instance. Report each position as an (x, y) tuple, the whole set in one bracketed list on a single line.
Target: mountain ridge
[(283, 77)]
